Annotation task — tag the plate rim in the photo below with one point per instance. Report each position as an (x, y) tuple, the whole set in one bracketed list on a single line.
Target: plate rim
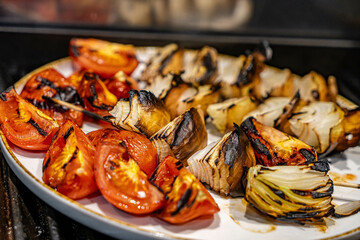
[(132, 230)]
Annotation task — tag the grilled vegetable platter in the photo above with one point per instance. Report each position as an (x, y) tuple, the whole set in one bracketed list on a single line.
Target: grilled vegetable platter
[(166, 142)]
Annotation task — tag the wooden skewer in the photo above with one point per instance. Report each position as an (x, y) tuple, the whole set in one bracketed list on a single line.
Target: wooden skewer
[(78, 108), (346, 184)]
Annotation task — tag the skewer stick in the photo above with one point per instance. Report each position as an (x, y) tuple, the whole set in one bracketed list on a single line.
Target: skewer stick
[(77, 108), (346, 184)]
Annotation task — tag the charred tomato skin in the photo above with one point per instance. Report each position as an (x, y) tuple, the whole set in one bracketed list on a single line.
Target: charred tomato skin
[(23, 124), (186, 197), (138, 146), (68, 164), (122, 182), (50, 83), (102, 57)]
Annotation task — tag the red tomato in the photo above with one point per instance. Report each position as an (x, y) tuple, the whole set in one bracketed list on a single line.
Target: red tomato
[(51, 83), (121, 181), (186, 197), (68, 164), (120, 85), (102, 57), (95, 95), (138, 146), (23, 124)]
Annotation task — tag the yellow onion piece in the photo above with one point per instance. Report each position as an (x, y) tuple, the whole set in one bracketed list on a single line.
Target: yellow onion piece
[(290, 193), (184, 136), (275, 111), (243, 83), (142, 112), (313, 123), (312, 87), (274, 82), (273, 147), (203, 69), (221, 165), (167, 59), (225, 114)]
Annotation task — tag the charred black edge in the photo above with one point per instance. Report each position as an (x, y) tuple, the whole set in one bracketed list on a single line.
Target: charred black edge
[(320, 165), (38, 128), (207, 62), (248, 125), (183, 201), (68, 132), (232, 148), (147, 99), (287, 110), (308, 155), (3, 94), (180, 134), (246, 73), (75, 50), (46, 164), (167, 60), (45, 82)]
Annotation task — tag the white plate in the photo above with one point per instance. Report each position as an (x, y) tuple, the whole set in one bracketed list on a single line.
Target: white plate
[(234, 221)]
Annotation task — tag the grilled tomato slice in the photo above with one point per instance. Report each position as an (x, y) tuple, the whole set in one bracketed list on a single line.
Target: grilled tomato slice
[(138, 146), (68, 164), (122, 182), (51, 83), (187, 198), (102, 57), (23, 124), (95, 95), (120, 85)]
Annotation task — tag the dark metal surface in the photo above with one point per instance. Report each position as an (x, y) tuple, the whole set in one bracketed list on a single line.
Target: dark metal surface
[(24, 216)]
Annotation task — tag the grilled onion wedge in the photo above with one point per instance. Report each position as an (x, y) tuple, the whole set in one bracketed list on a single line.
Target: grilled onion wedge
[(225, 114), (273, 82), (168, 59), (221, 165), (273, 147), (274, 111), (313, 87), (182, 137), (142, 112), (203, 69), (290, 193)]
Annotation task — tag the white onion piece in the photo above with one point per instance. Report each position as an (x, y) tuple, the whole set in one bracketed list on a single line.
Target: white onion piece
[(313, 123), (269, 110)]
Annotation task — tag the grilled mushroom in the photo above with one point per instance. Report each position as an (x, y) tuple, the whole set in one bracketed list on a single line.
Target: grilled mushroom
[(290, 193), (221, 164), (225, 114), (167, 59), (203, 68), (183, 136), (142, 112), (273, 147)]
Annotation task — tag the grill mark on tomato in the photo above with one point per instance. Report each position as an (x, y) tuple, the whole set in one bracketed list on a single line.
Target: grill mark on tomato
[(75, 50), (45, 82), (37, 127), (182, 202), (68, 132), (46, 165), (74, 156)]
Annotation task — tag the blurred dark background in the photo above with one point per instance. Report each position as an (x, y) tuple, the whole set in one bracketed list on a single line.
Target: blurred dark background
[(320, 35)]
